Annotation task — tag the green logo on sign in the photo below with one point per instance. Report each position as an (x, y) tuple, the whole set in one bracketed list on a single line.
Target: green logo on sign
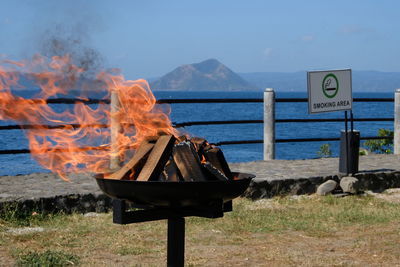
[(330, 85)]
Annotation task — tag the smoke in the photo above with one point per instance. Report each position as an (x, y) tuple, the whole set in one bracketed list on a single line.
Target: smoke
[(63, 28), (64, 40)]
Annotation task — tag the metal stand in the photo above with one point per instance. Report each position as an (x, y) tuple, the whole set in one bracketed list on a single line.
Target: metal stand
[(348, 162), (176, 242), (347, 141), (176, 222)]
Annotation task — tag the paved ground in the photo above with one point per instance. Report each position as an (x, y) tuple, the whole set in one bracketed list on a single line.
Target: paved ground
[(297, 169), (44, 185), (281, 177), (271, 177)]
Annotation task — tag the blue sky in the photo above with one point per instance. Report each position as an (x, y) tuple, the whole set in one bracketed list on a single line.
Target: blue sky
[(150, 38)]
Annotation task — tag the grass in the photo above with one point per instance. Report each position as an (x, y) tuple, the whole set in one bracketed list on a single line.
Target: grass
[(47, 258), (11, 214), (316, 215), (282, 231)]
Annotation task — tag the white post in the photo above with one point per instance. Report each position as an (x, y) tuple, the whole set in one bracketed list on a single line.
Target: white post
[(396, 138), (269, 124), (115, 128)]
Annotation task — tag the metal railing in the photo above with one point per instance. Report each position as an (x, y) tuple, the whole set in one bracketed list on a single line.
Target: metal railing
[(214, 122)]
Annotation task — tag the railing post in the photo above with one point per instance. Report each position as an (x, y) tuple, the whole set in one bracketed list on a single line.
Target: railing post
[(269, 124), (115, 129), (396, 137)]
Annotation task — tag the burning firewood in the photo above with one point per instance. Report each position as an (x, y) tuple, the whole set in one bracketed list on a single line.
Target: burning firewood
[(217, 159), (181, 138), (129, 168), (157, 159), (199, 143), (166, 158), (214, 172), (138, 160), (172, 171), (188, 161)]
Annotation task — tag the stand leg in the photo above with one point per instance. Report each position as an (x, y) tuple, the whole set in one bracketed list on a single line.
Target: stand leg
[(176, 242), (119, 211)]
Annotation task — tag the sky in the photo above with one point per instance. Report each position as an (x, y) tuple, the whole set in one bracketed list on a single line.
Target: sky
[(150, 38)]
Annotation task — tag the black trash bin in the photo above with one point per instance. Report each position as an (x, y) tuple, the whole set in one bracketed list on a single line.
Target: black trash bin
[(349, 163)]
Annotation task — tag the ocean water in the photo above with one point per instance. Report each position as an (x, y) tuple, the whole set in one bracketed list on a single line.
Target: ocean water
[(23, 164)]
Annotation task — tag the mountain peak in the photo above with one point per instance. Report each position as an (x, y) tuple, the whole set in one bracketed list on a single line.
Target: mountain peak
[(208, 65), (208, 75)]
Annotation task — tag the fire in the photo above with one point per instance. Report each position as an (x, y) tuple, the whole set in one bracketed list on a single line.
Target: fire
[(67, 148), (203, 159)]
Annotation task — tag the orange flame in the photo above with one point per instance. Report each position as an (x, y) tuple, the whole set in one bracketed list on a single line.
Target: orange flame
[(65, 149)]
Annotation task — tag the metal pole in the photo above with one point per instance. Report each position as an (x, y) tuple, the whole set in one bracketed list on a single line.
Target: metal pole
[(351, 121), (347, 142), (269, 124), (396, 127), (176, 242)]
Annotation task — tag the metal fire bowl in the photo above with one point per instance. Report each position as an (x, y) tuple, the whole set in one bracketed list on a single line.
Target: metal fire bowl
[(175, 194)]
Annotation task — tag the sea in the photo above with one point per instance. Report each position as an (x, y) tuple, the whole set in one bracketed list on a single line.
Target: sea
[(19, 164)]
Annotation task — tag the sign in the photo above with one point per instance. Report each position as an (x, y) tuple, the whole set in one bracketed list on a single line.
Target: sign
[(329, 91)]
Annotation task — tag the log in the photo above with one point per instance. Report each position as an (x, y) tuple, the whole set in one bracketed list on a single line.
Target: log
[(199, 143), (181, 138), (157, 159), (208, 147), (173, 173), (214, 172), (133, 165), (188, 162), (163, 176), (217, 159)]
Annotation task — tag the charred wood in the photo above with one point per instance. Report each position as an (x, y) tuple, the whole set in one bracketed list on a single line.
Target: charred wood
[(188, 162), (172, 170), (214, 172), (181, 138), (217, 159), (199, 143)]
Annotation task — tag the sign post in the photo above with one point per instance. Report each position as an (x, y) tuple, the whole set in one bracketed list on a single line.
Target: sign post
[(330, 91)]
